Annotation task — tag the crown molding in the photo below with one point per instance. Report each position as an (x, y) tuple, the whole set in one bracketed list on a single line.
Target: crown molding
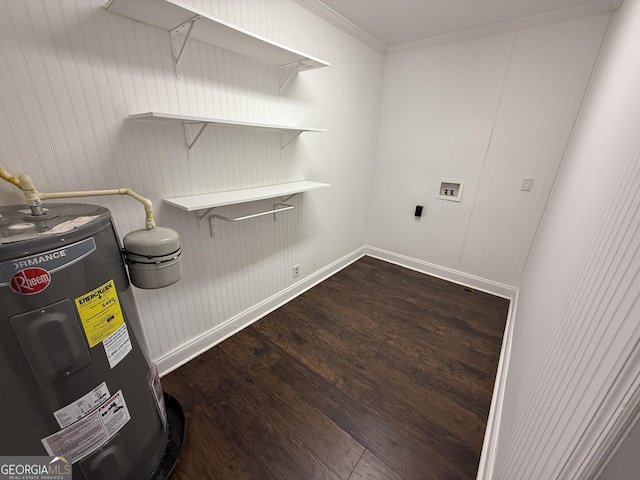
[(337, 20), (334, 18), (596, 8)]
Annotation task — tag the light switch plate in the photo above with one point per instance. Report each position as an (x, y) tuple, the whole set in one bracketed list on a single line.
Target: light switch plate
[(527, 184)]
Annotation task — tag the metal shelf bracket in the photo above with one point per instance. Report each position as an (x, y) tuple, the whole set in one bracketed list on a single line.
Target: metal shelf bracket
[(206, 213), (289, 197), (291, 134), (202, 216), (287, 72), (192, 138), (178, 44)]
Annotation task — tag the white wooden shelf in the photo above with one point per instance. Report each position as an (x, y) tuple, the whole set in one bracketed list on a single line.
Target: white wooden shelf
[(188, 119), (288, 133), (184, 22), (204, 201)]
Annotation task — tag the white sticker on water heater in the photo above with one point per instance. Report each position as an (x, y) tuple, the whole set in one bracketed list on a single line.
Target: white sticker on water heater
[(82, 438), (117, 345), (82, 406), (154, 382), (69, 225), (114, 414)]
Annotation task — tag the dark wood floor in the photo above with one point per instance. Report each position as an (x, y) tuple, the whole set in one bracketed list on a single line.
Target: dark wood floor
[(377, 373)]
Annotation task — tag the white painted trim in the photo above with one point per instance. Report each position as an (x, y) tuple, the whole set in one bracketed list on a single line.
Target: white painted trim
[(187, 352), (329, 15), (461, 278), (596, 8), (490, 444), (334, 18)]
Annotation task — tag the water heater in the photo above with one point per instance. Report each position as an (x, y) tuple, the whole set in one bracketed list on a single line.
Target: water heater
[(76, 380)]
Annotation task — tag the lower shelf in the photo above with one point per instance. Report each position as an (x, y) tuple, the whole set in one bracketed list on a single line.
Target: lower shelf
[(204, 201)]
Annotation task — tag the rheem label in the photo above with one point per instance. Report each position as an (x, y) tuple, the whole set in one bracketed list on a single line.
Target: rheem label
[(30, 281)]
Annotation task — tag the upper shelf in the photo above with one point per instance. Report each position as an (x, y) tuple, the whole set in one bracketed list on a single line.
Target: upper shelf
[(177, 17), (189, 119), (192, 203)]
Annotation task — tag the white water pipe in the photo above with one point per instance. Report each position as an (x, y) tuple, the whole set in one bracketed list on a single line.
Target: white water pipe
[(34, 197)]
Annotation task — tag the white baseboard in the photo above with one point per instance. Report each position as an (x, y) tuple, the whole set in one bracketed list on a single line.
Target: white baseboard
[(461, 278), (183, 354), (490, 443)]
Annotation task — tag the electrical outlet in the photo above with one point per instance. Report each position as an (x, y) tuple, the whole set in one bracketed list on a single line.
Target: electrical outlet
[(296, 271)]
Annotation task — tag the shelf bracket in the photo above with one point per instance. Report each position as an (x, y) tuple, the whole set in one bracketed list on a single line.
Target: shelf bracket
[(293, 134), (287, 72), (193, 139), (202, 216), (179, 45), (289, 197)]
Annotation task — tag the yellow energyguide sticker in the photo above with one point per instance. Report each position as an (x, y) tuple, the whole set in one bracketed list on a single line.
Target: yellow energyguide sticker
[(100, 313)]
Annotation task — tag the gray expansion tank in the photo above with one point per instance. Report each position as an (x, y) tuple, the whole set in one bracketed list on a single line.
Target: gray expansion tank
[(76, 381)]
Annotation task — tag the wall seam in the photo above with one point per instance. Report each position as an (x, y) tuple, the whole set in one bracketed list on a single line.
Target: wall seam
[(375, 155), (486, 155), (569, 142)]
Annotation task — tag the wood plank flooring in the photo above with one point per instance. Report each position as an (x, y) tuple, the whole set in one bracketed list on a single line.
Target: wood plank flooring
[(377, 373)]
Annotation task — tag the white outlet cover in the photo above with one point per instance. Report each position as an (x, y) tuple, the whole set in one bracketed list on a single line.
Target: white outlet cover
[(450, 189)]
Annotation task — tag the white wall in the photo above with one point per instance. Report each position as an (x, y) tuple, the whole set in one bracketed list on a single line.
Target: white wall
[(70, 73), (573, 377), (489, 111)]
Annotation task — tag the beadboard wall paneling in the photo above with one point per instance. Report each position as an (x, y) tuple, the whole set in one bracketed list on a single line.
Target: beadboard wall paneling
[(71, 73), (490, 112), (573, 378)]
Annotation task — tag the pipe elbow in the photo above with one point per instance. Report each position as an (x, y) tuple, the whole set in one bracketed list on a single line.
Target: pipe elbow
[(30, 191), (150, 223)]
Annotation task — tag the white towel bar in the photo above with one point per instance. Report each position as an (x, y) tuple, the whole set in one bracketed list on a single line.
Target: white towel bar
[(254, 215), (283, 207)]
